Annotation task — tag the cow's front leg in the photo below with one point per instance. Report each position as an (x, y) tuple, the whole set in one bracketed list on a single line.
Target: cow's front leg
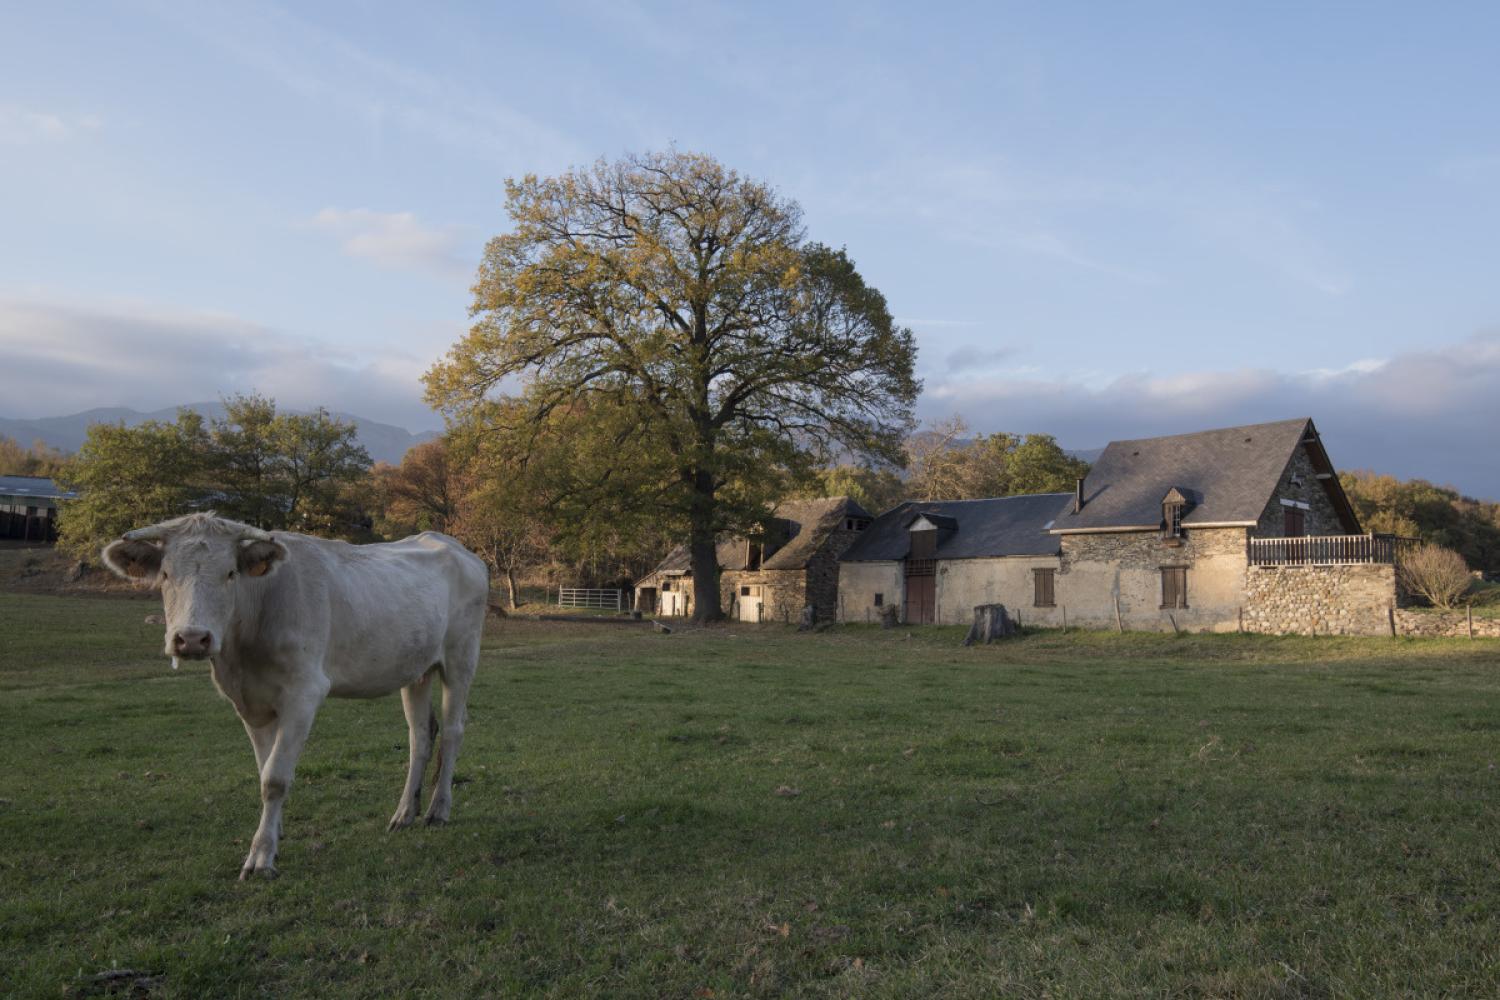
[(293, 723), (262, 739)]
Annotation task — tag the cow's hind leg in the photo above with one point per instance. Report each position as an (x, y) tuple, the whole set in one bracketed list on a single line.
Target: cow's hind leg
[(458, 673), (421, 726)]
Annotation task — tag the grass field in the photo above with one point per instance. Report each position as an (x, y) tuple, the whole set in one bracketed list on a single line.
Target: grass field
[(743, 812)]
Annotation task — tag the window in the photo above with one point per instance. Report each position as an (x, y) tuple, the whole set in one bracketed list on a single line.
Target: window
[(1174, 587), (856, 523), (1171, 517), (666, 585), (744, 591), (1042, 593), (1294, 522), (753, 553), (879, 600)]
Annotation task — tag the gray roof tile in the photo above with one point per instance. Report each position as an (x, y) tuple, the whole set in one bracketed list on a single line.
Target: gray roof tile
[(972, 529), (1227, 475)]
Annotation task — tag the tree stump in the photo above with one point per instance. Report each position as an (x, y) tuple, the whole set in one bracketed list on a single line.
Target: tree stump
[(889, 616), (991, 622)]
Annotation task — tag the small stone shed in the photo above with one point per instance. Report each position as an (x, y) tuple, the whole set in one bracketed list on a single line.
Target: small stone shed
[(773, 574)]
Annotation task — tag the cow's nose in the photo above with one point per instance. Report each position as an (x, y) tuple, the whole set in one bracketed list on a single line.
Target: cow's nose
[(192, 642)]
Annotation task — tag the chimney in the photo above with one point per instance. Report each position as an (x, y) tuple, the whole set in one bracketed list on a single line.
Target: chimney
[(1078, 496)]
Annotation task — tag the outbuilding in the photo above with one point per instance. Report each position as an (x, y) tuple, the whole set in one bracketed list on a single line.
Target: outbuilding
[(28, 508)]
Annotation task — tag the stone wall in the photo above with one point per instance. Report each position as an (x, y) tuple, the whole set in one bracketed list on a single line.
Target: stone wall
[(823, 573), (783, 593), (1432, 624), (1320, 600), (1099, 569), (1320, 518)]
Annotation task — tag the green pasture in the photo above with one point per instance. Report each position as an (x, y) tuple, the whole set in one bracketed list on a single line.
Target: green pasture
[(750, 811)]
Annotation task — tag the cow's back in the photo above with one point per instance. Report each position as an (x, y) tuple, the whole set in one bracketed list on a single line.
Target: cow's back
[(384, 613)]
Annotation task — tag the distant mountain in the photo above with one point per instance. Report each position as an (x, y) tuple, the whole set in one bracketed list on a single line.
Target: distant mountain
[(384, 442)]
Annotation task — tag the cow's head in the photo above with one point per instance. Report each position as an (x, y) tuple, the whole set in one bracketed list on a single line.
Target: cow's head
[(201, 563)]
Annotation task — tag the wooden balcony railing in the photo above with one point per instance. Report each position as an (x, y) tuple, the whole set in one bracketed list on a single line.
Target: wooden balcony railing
[(1327, 550)]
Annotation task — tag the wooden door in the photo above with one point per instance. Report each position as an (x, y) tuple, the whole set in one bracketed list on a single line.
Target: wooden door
[(1294, 523), (921, 600)]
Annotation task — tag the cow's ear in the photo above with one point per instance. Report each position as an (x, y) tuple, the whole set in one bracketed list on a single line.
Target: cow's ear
[(258, 558), (133, 559)]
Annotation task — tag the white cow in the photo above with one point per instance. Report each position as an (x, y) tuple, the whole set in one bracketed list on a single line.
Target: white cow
[(288, 620)]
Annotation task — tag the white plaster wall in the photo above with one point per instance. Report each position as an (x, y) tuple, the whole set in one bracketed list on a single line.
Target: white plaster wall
[(859, 582), (964, 583)]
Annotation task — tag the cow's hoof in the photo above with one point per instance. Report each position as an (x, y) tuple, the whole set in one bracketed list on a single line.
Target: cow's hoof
[(268, 872), (404, 818), (260, 861)]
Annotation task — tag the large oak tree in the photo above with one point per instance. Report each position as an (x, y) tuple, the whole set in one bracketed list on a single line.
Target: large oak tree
[(673, 289)]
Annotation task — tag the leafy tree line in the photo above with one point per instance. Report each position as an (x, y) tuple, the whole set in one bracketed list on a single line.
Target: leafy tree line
[(274, 470), (39, 460), (1440, 515)]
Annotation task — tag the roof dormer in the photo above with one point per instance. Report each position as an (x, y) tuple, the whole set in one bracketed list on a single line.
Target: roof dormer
[(1173, 506)]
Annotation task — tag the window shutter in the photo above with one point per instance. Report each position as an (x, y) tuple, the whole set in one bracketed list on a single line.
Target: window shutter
[(1042, 580), (1174, 587)]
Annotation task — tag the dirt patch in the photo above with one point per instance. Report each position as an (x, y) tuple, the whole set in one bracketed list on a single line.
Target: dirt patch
[(45, 569)]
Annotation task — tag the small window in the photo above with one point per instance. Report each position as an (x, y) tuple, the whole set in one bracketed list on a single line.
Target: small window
[(1171, 515), (666, 585), (1042, 583), (879, 600), (1174, 587)]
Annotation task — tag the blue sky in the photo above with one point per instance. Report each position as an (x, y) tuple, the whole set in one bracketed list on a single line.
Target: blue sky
[(1102, 220)]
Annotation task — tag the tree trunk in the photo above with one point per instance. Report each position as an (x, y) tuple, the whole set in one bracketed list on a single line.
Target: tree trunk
[(510, 585), (703, 546)]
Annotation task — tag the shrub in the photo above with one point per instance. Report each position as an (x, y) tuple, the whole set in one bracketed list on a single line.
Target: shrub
[(1430, 571)]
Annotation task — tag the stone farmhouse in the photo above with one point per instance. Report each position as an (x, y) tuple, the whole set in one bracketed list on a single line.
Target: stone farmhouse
[(1222, 530), (772, 574)]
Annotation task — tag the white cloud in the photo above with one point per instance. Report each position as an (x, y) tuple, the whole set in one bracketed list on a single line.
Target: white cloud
[(397, 240), (62, 358), (1428, 413), (24, 126)]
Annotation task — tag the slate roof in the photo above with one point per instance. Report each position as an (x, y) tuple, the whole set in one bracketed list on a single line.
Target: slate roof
[(803, 526), (33, 486), (1227, 475), (969, 529)]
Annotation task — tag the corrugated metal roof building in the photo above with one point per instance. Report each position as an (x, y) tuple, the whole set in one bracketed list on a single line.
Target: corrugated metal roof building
[(28, 507)]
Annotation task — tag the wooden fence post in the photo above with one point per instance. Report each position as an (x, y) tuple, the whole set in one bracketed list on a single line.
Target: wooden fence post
[(1119, 622), (1470, 608)]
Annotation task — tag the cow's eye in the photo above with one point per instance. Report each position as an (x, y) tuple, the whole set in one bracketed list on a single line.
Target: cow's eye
[(231, 574), (163, 574)]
